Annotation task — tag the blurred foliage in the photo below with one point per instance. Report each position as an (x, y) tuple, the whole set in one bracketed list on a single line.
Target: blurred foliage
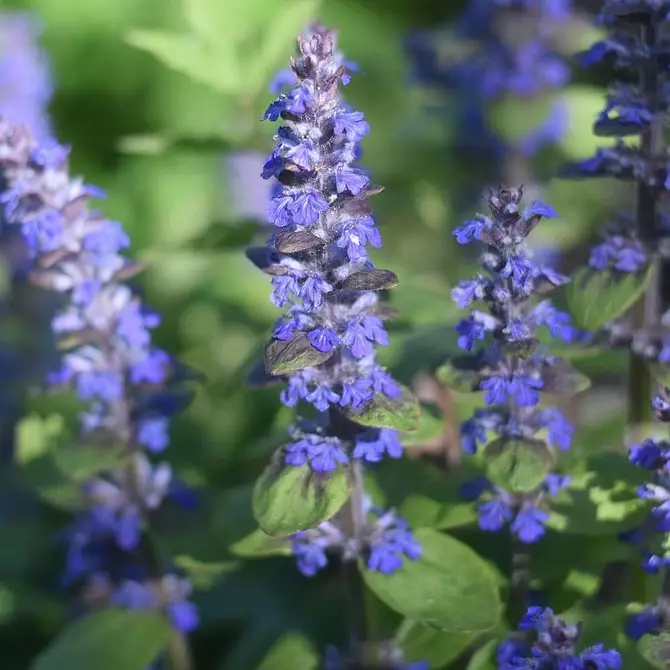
[(157, 141)]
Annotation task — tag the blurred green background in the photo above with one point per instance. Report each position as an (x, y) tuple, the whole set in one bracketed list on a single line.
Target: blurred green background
[(177, 206)]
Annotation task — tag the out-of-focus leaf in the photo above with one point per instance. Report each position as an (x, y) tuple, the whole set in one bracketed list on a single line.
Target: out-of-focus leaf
[(155, 145), (401, 413), (204, 575), (450, 587), (278, 40), (431, 424), (212, 64), (107, 640), (291, 651), (296, 498), (425, 643), (519, 465), (656, 650), (484, 657), (82, 461), (460, 375), (259, 544), (595, 298)]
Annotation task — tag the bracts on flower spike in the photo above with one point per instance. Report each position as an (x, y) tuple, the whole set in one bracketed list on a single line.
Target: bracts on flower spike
[(127, 388)]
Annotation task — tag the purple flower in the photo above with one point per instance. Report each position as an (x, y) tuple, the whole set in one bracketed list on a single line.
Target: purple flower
[(351, 180), (355, 393), (307, 207), (323, 339), (351, 124)]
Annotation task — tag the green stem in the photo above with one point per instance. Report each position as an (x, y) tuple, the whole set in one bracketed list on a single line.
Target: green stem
[(646, 312)]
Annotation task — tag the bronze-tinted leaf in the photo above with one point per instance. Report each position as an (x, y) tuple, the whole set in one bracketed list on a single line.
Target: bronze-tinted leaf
[(285, 356), (370, 280), (293, 241), (370, 190), (129, 270)]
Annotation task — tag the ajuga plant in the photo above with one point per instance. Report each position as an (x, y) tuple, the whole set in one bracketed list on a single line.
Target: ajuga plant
[(499, 52), (312, 500), (519, 436), (618, 293), (127, 389)]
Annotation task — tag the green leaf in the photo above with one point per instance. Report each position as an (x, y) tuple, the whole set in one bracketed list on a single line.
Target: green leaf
[(436, 647), (82, 461), (291, 651), (259, 544), (107, 640), (296, 498), (422, 495), (285, 356), (213, 64), (401, 413), (484, 657), (656, 650), (459, 376), (431, 424), (601, 501), (595, 298), (449, 587), (518, 466), (204, 575)]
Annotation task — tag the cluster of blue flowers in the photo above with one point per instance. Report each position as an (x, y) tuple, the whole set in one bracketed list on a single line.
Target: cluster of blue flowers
[(385, 540), (124, 383), (525, 513), (553, 647), (513, 369), (507, 48)]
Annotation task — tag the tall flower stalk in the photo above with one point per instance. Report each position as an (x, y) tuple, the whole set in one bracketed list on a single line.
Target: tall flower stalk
[(518, 434), (324, 345), (513, 370), (636, 108), (128, 389)]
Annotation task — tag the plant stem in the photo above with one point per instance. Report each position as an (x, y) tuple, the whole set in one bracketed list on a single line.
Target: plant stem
[(646, 312), (355, 520), (520, 581)]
